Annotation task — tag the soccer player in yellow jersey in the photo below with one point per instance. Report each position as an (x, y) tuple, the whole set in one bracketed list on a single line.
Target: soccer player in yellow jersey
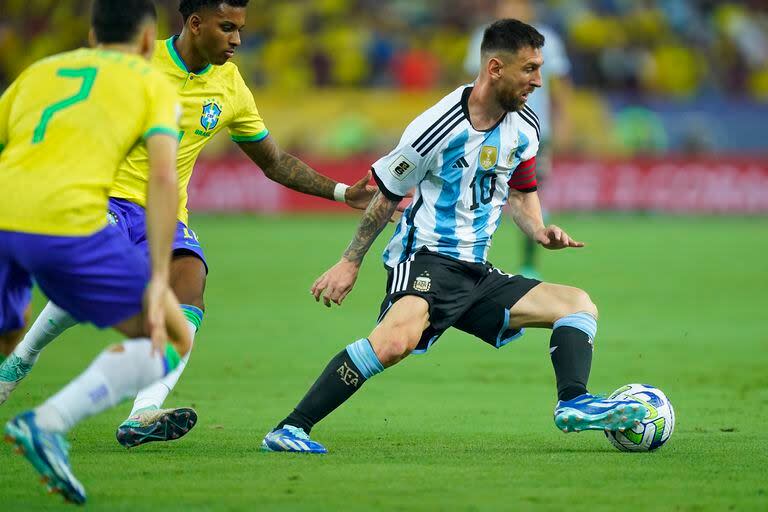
[(65, 125), (214, 97)]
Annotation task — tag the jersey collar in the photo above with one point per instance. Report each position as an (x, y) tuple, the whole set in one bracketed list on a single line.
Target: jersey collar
[(171, 47), (465, 109)]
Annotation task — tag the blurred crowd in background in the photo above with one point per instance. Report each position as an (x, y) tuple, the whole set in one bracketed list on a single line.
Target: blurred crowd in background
[(663, 69)]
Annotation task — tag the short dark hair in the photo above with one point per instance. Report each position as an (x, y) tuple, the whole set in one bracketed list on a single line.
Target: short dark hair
[(187, 7), (118, 21), (510, 35)]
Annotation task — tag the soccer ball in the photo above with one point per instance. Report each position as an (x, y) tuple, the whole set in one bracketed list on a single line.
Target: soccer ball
[(655, 429)]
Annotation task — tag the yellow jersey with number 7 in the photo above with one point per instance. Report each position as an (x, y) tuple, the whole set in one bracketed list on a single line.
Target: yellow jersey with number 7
[(66, 124)]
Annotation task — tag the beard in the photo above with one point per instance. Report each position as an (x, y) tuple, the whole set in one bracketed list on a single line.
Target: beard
[(511, 102)]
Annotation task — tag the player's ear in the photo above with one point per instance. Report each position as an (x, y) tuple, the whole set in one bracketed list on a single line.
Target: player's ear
[(194, 22), (147, 39), (494, 66)]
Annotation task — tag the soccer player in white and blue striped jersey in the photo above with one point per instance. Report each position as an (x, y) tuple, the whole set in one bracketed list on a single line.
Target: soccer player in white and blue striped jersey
[(466, 157)]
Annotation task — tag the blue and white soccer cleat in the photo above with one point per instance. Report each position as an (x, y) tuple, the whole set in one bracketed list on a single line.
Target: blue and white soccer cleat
[(591, 412), (153, 424), (48, 452), (12, 370), (291, 439)]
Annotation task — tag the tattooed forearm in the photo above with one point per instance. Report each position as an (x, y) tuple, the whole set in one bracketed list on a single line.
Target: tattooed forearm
[(295, 174), (288, 170), (374, 219)]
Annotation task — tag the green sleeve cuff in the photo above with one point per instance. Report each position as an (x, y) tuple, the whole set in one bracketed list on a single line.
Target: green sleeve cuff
[(161, 130), (250, 138)]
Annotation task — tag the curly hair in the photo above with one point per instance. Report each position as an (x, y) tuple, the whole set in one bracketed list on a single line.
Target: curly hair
[(187, 7)]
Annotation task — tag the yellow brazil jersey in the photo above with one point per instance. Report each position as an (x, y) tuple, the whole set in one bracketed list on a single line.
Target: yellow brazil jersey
[(211, 100), (66, 124)]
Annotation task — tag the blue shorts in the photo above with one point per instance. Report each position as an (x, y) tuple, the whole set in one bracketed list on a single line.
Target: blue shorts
[(130, 218), (98, 278)]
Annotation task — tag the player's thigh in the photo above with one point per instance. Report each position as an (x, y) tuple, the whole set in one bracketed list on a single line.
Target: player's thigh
[(15, 295), (547, 302), (444, 288), (400, 331), (189, 267), (188, 274), (488, 318), (99, 278)]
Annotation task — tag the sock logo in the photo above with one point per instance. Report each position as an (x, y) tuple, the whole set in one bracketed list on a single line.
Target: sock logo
[(348, 376)]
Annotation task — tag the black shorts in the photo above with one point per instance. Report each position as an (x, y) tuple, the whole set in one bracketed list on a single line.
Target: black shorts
[(472, 297)]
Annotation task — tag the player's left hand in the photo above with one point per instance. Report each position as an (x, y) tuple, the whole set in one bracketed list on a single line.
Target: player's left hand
[(554, 237), (337, 282), (155, 305)]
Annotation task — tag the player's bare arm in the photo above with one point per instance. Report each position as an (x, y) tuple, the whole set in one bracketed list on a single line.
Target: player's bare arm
[(339, 280), (288, 170), (162, 198), (526, 212)]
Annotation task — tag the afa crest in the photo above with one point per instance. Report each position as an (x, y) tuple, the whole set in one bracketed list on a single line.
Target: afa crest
[(489, 155), (211, 113)]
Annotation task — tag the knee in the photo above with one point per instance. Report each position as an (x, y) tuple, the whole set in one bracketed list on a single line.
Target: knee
[(571, 301), (394, 344), (581, 302)]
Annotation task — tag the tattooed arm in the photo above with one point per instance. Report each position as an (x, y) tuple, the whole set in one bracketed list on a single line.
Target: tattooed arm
[(339, 280), (374, 219), (288, 170)]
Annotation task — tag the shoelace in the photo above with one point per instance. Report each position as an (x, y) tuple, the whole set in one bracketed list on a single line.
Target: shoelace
[(298, 432), (14, 369)]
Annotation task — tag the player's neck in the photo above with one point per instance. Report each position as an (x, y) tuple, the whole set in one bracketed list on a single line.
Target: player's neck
[(189, 55), (119, 47), (484, 110)]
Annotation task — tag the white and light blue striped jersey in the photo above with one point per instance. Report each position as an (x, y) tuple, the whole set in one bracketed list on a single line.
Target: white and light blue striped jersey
[(461, 178)]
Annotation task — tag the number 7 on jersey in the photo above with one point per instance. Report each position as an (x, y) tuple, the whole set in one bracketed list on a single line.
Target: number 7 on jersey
[(88, 76)]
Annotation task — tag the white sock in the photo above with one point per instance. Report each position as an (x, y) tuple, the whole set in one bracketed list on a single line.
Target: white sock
[(49, 324), (116, 374), (155, 395)]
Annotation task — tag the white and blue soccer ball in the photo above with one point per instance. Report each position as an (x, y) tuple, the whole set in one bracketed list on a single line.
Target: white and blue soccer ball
[(657, 426)]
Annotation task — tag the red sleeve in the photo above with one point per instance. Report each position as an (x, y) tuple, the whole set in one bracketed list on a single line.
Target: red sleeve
[(524, 176)]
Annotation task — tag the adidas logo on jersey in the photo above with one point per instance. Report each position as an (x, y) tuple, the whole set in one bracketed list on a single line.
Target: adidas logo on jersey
[(461, 163)]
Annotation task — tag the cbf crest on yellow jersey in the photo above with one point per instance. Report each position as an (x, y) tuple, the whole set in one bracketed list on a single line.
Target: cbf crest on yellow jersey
[(66, 124), (212, 100)]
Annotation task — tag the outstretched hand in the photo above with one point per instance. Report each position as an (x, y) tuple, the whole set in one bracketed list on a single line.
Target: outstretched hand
[(337, 282), (360, 194), (553, 237)]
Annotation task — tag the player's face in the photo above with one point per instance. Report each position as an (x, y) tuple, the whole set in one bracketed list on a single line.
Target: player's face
[(219, 32), (519, 76)]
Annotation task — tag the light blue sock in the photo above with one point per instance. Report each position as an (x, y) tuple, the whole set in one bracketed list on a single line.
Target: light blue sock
[(582, 321), (362, 354)]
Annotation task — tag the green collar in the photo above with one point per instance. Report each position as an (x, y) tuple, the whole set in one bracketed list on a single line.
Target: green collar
[(169, 44)]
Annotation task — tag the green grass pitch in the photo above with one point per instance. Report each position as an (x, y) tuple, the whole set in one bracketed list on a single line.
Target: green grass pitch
[(682, 306)]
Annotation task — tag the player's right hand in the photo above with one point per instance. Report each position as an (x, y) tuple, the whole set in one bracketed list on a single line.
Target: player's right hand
[(360, 194), (155, 296), (337, 282), (554, 237)]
